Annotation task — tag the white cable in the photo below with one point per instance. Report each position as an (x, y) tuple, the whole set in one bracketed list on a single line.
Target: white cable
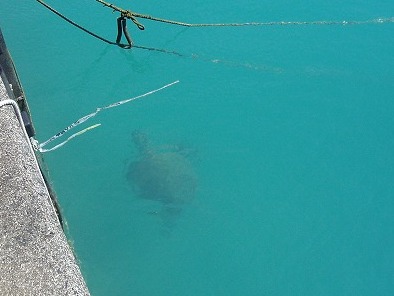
[(87, 117)]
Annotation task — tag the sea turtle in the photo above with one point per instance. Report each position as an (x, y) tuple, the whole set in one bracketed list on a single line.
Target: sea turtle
[(163, 174)]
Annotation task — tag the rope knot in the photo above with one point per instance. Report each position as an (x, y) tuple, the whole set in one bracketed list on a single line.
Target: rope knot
[(131, 16)]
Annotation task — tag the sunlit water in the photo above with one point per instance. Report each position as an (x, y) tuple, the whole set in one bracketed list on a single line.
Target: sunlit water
[(291, 129)]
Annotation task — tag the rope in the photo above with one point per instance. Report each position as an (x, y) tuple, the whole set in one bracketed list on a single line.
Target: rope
[(87, 117), (30, 143), (75, 24), (280, 23), (133, 15), (125, 46), (161, 50)]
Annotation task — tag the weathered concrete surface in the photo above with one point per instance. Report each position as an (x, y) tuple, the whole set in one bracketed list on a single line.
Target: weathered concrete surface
[(35, 258)]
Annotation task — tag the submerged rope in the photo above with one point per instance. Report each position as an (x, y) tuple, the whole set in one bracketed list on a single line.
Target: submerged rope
[(88, 116)]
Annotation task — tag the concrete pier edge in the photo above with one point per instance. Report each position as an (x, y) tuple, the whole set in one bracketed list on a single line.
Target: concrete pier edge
[(35, 257)]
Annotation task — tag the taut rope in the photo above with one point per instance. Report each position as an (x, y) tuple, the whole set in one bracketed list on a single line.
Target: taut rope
[(133, 15)]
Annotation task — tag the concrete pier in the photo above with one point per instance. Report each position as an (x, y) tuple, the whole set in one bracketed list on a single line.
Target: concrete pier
[(35, 257)]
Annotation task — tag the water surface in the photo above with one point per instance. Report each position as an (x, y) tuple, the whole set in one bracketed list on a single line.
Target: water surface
[(293, 128)]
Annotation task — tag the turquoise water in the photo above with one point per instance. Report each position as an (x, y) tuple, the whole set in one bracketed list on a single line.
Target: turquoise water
[(292, 128)]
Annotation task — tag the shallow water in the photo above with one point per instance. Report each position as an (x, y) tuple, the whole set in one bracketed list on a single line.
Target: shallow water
[(293, 132)]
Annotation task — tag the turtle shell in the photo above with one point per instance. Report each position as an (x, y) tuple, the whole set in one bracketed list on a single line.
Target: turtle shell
[(165, 176)]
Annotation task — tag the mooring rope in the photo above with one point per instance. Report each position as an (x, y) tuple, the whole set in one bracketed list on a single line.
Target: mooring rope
[(161, 50), (125, 46), (83, 119), (133, 15), (280, 23), (78, 26), (75, 24)]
